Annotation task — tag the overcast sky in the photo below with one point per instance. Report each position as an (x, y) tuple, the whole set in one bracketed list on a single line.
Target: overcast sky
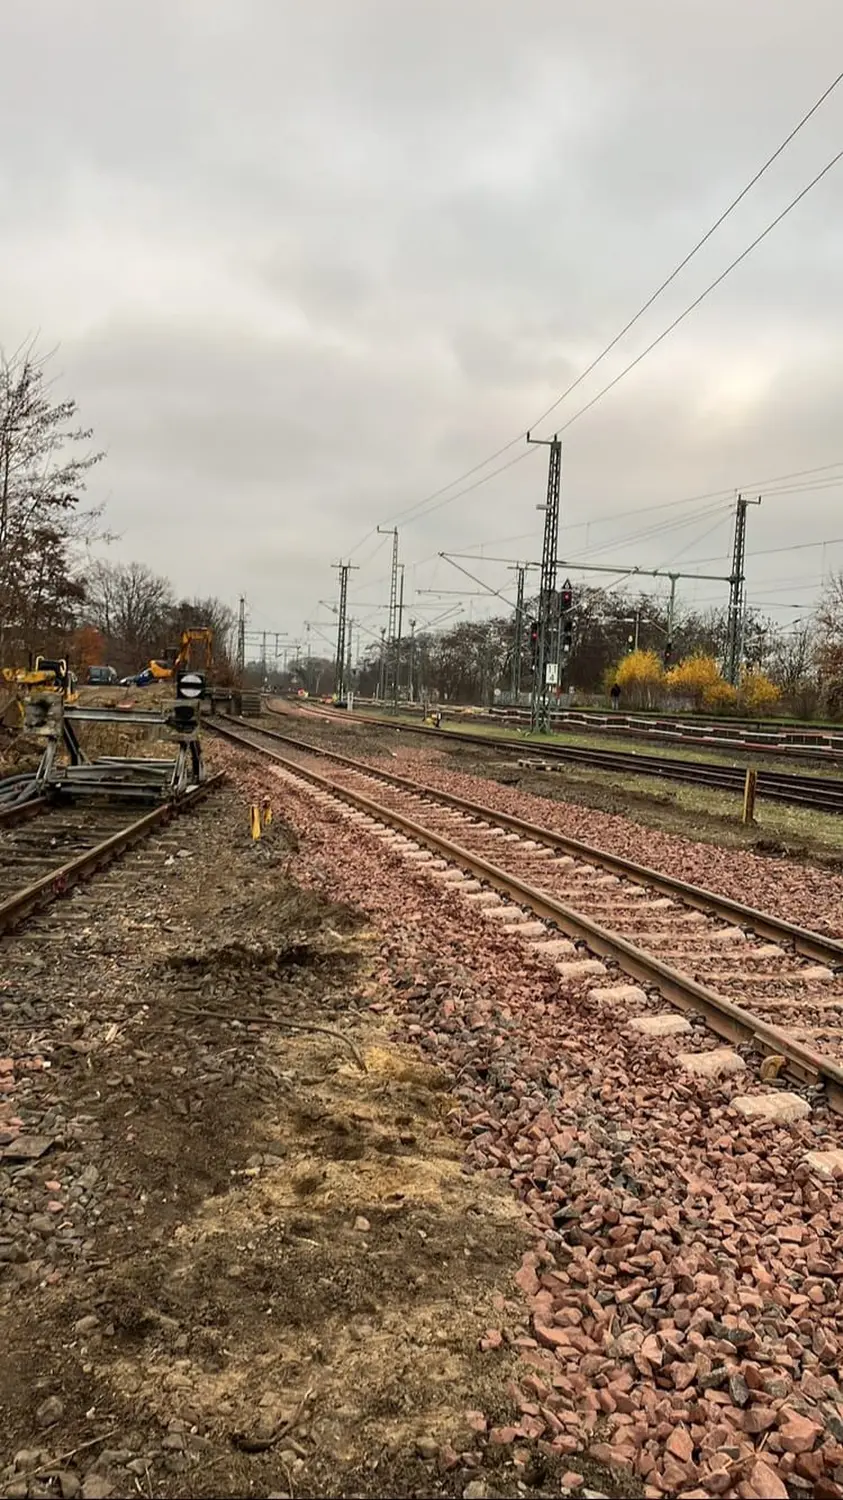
[(306, 261)]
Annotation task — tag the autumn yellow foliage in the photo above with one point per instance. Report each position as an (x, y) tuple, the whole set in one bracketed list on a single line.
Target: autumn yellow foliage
[(641, 677), (757, 693), (638, 675), (696, 677), (720, 695)]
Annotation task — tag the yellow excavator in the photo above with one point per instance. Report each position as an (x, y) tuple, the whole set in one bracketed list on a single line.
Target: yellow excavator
[(44, 672), (164, 671), (52, 676)]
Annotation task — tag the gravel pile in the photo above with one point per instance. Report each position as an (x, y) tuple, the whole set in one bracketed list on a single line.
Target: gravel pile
[(679, 1318)]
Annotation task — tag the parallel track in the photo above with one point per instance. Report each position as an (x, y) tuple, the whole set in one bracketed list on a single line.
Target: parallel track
[(686, 948), (822, 794), (42, 857)]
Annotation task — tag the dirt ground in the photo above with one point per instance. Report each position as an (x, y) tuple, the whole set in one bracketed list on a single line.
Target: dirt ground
[(245, 1259)]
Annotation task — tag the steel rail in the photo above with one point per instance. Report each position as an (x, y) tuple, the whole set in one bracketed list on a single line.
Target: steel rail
[(822, 795), (59, 880), (659, 730), (814, 945), (21, 811), (723, 1016)]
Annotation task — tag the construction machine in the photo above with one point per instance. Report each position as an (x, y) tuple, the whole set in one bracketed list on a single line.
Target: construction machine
[(51, 677), (164, 671)]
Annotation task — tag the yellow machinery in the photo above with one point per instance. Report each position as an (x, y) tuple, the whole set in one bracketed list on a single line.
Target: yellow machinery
[(163, 671), (51, 677), (201, 635), (160, 671)]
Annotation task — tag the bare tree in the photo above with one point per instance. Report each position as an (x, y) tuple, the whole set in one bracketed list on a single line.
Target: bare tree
[(828, 646), (42, 480), (793, 669), (133, 608)]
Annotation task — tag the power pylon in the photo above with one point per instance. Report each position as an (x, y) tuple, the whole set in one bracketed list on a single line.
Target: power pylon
[(340, 666), (737, 583), (540, 704), (518, 643), (241, 639), (391, 669)]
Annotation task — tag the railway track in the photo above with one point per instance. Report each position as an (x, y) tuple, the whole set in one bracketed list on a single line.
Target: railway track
[(755, 979), (821, 794), (45, 850)]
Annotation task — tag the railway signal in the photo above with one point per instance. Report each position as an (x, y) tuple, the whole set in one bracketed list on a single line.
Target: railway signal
[(190, 685), (534, 635), (668, 653), (566, 600)]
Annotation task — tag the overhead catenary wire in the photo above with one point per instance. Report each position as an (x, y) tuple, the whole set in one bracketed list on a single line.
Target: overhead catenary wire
[(422, 504), (723, 509), (723, 494), (706, 292), (829, 541), (519, 458), (695, 249)]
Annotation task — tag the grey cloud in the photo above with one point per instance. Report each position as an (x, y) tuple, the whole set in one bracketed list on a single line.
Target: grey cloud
[(306, 263)]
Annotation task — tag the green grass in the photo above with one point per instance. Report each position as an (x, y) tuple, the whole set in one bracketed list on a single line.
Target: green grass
[(702, 813)]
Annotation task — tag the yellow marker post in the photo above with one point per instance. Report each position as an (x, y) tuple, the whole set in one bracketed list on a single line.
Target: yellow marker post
[(255, 820), (749, 796), (266, 812)]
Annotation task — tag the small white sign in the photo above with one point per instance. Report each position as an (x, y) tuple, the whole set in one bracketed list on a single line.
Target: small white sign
[(190, 685), (551, 673)]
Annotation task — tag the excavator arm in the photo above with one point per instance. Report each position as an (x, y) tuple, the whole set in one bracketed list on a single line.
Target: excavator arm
[(199, 636)]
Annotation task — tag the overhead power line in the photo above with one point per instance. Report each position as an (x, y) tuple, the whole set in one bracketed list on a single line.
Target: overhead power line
[(505, 447), (423, 509), (702, 296), (724, 494), (645, 307)]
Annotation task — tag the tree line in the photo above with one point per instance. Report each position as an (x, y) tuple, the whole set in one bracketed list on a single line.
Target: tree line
[(52, 601), (799, 670)]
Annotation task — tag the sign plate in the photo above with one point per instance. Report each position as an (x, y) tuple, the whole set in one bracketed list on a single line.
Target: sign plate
[(190, 685)]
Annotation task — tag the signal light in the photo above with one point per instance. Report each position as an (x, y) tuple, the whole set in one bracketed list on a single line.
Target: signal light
[(668, 653), (567, 637), (566, 595), (534, 633)]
